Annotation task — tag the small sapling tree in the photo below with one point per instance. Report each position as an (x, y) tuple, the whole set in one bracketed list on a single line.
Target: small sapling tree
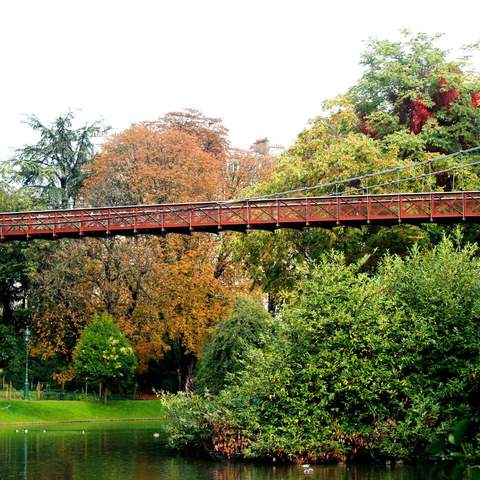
[(103, 355)]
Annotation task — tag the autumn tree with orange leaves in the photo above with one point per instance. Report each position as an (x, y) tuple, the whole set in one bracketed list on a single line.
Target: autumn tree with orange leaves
[(142, 165), (165, 293)]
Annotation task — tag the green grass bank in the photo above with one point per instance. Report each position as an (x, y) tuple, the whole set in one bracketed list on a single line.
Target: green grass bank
[(56, 411)]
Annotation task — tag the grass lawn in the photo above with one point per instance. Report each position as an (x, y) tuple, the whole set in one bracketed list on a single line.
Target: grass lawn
[(43, 411)]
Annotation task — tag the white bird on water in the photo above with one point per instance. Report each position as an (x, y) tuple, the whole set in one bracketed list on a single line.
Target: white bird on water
[(307, 470), (156, 435)]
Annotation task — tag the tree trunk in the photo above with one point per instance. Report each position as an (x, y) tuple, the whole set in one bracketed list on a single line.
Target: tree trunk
[(272, 306), (64, 189), (7, 309), (185, 366), (189, 376), (106, 392)]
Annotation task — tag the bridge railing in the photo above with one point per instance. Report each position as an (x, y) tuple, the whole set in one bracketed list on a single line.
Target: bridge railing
[(268, 214)]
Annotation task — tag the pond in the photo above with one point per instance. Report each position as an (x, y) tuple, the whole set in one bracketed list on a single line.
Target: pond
[(124, 451)]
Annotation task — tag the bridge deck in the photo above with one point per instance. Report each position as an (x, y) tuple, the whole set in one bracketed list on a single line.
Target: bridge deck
[(269, 214)]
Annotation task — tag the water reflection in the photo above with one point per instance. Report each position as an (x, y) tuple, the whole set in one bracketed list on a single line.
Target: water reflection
[(130, 453)]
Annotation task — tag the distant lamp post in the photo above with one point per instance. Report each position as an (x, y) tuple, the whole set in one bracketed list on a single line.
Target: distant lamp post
[(25, 384)]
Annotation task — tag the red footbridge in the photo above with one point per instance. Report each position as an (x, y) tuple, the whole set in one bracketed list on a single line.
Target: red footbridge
[(264, 214), (346, 202)]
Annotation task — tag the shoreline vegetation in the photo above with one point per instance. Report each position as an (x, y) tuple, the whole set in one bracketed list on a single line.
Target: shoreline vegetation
[(20, 412), (357, 367)]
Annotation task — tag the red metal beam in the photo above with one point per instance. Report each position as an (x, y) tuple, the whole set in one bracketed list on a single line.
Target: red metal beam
[(270, 214)]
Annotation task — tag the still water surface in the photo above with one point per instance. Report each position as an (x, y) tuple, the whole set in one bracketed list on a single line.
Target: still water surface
[(129, 451)]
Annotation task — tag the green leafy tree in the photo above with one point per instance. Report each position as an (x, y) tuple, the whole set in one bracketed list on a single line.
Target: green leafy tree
[(411, 103), (413, 95), (247, 326), (380, 363), (361, 365), (316, 392), (332, 148), (54, 167), (103, 354)]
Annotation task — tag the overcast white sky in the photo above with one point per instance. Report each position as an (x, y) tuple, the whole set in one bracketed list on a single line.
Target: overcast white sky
[(264, 66)]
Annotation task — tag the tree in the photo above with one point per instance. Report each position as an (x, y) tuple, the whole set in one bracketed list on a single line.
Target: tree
[(12, 354), (66, 291), (103, 355), (166, 294), (248, 326), (181, 294), (176, 300), (411, 104), (17, 259), (143, 165), (53, 167), (411, 89), (209, 132), (332, 148)]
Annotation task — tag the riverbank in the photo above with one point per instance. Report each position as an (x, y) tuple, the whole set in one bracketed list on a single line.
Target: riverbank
[(132, 452), (66, 411)]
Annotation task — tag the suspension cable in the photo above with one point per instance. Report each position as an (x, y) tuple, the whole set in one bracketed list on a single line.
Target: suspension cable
[(360, 177)]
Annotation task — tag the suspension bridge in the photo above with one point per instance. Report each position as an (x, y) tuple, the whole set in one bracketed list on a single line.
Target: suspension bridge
[(435, 190)]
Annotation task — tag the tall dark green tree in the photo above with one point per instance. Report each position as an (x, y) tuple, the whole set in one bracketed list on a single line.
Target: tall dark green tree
[(16, 259), (53, 168)]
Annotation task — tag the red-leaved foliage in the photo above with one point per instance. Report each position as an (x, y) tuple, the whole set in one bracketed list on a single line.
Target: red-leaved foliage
[(366, 129), (420, 114), (475, 100), (447, 97)]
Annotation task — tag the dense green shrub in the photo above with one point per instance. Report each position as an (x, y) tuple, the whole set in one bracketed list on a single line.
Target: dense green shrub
[(362, 366), (203, 424), (103, 354), (316, 392), (247, 326), (188, 425), (436, 338)]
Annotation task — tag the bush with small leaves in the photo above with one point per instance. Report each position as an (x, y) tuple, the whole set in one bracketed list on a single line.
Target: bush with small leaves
[(103, 354)]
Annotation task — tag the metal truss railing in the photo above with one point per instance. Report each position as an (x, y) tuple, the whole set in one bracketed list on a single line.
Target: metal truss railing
[(267, 214)]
